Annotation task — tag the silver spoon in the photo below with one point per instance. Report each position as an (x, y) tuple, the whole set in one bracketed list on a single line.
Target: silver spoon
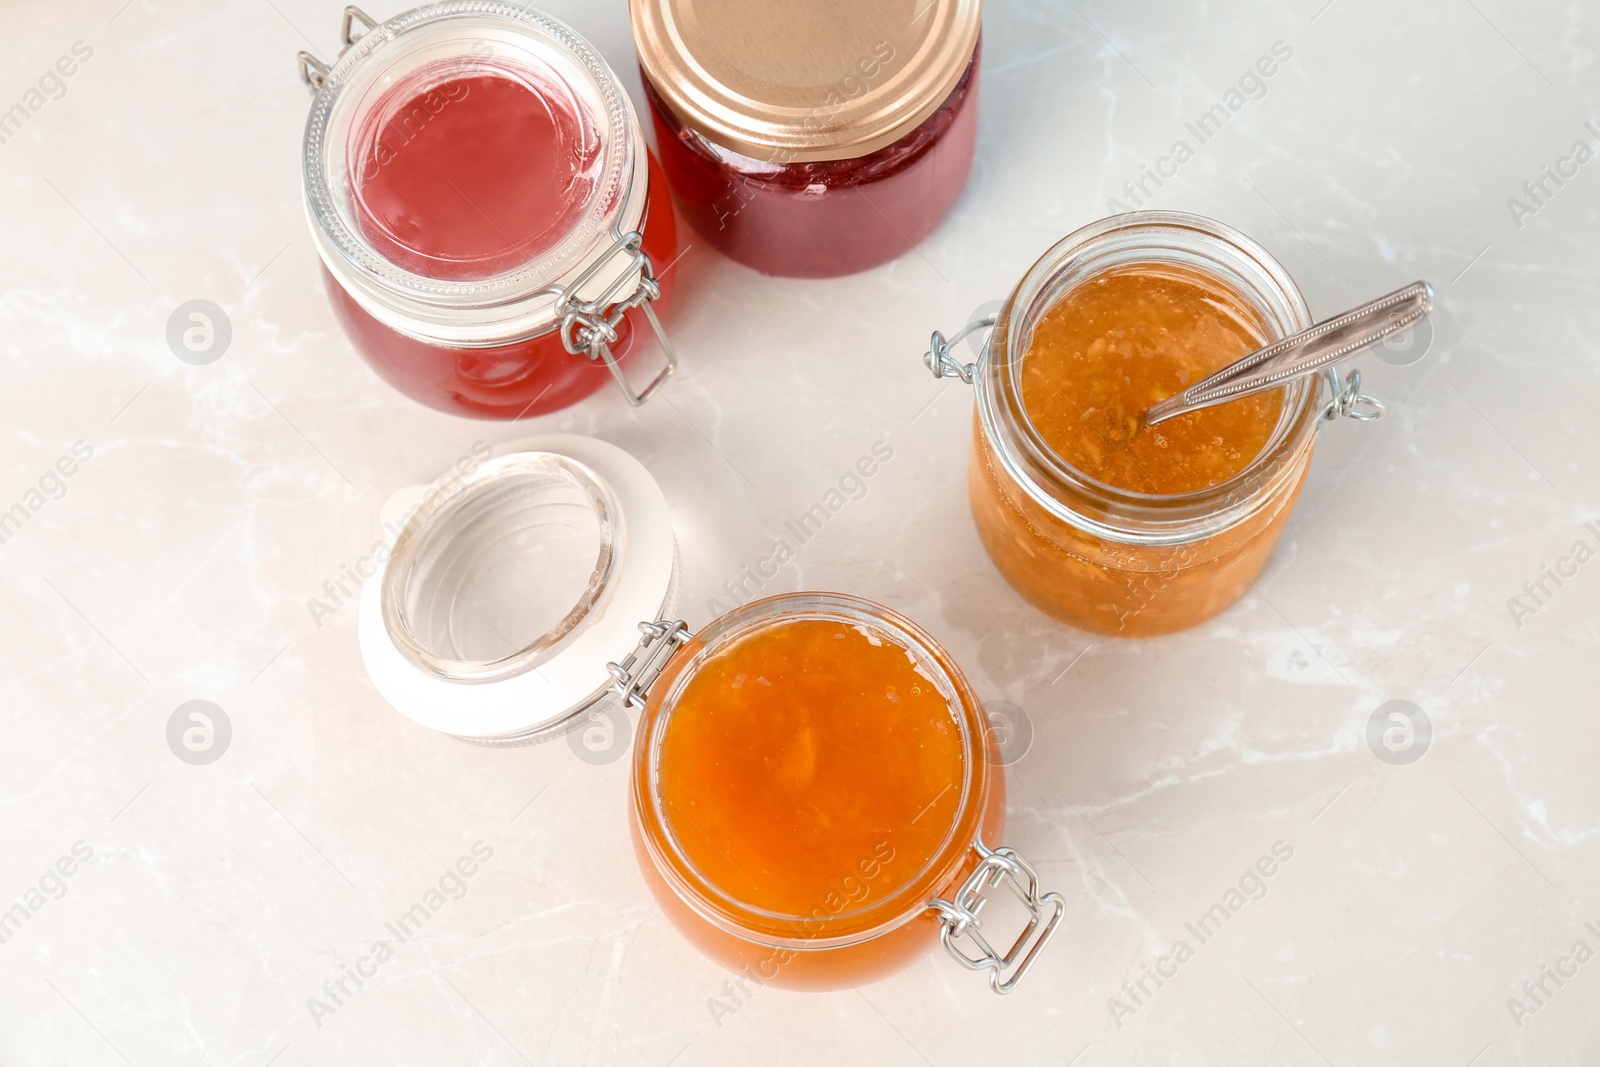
[(1305, 352)]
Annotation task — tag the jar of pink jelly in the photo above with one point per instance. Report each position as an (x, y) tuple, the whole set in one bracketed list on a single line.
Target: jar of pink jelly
[(480, 194), (807, 139)]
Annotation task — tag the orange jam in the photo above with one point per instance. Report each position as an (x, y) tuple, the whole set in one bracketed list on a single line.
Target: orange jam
[(811, 773), (1122, 341), (809, 767), (1217, 484)]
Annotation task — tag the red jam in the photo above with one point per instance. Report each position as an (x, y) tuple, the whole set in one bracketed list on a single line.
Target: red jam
[(461, 178), (830, 218), (467, 177)]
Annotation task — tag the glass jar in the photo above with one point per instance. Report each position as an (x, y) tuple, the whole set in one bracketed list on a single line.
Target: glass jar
[(479, 193), (509, 610), (807, 145), (778, 830), (509, 584), (1116, 561)]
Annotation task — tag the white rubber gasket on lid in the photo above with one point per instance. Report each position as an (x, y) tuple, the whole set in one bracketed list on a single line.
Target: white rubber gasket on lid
[(542, 700)]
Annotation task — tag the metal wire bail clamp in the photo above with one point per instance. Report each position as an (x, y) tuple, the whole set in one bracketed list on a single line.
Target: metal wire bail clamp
[(314, 71), (633, 677), (944, 365), (589, 327), (1349, 402), (961, 916)]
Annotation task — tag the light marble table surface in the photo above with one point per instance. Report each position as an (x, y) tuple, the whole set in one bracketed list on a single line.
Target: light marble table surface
[(208, 905)]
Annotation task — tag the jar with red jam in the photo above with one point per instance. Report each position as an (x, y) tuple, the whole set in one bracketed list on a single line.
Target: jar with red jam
[(493, 229), (810, 140), (817, 796), (1096, 517)]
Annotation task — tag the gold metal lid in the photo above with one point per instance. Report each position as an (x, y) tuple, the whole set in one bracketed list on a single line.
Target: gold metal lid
[(799, 81)]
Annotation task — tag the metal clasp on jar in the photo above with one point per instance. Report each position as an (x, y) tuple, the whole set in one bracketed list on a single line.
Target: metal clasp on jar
[(639, 669), (961, 917), (1349, 402), (944, 365), (314, 71), (589, 327)]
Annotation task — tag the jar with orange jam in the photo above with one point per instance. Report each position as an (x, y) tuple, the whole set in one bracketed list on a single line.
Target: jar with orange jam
[(817, 797), (813, 786), (1096, 517)]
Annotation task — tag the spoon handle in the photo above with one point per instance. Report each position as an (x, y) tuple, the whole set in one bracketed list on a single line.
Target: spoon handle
[(1309, 350)]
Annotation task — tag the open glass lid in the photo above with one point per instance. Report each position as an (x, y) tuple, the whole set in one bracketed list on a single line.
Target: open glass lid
[(511, 585)]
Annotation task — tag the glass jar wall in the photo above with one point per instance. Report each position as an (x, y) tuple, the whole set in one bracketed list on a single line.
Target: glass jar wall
[(481, 199), (1105, 557), (803, 145), (813, 784), (534, 376)]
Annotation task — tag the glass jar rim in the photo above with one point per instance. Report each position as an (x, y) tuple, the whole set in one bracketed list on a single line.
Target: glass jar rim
[(554, 687), (441, 521), (518, 302), (1108, 512), (713, 903)]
